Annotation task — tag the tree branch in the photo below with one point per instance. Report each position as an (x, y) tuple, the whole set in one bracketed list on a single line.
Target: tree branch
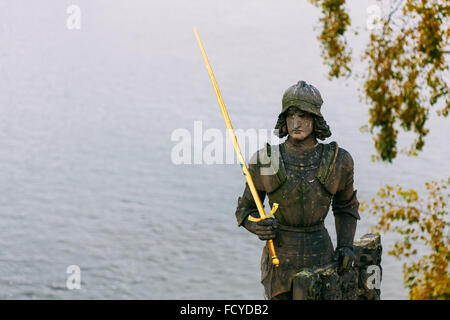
[(395, 9)]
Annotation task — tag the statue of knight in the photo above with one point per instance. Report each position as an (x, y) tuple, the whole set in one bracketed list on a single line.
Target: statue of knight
[(305, 177)]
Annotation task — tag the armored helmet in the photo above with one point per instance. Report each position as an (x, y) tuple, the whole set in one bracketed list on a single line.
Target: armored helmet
[(304, 96)]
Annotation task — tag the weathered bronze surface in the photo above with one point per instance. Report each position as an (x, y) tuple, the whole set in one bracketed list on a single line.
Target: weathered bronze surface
[(305, 178), (327, 283)]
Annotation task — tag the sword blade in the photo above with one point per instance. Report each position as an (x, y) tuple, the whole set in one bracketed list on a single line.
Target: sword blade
[(232, 135)]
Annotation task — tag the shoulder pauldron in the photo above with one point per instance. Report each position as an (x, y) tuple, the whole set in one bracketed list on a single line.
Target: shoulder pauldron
[(329, 155)]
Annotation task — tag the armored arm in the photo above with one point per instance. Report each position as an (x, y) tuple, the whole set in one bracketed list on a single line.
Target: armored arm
[(246, 203), (345, 208), (247, 206), (346, 216), (265, 229), (345, 205)]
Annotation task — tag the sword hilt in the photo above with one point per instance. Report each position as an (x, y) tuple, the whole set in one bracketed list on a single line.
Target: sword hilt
[(274, 208), (275, 260)]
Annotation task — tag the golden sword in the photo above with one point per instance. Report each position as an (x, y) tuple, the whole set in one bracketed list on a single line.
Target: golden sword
[(245, 171)]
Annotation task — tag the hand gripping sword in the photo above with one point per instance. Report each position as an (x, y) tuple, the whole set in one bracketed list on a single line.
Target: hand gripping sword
[(244, 168)]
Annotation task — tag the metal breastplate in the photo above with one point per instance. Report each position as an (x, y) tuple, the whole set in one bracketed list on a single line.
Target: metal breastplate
[(302, 199)]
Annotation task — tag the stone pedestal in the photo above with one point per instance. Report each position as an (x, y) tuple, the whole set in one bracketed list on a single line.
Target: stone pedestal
[(361, 282)]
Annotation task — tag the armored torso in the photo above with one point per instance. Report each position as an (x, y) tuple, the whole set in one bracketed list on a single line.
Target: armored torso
[(303, 201)]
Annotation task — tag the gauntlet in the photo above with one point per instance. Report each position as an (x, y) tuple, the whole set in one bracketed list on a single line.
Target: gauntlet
[(264, 229)]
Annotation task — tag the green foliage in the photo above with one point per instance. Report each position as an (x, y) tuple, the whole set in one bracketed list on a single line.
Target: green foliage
[(403, 81), (335, 52), (418, 220), (406, 66)]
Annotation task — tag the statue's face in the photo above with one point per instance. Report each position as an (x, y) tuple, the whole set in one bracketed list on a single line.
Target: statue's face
[(299, 123)]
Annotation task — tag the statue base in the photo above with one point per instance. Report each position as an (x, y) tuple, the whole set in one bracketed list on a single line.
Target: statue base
[(361, 282)]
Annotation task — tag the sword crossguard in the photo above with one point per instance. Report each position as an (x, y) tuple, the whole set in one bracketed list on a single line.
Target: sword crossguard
[(274, 208)]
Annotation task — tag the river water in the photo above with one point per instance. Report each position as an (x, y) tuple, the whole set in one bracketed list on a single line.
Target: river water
[(87, 117)]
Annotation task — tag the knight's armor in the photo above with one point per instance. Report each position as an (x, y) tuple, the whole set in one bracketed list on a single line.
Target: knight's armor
[(304, 186)]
